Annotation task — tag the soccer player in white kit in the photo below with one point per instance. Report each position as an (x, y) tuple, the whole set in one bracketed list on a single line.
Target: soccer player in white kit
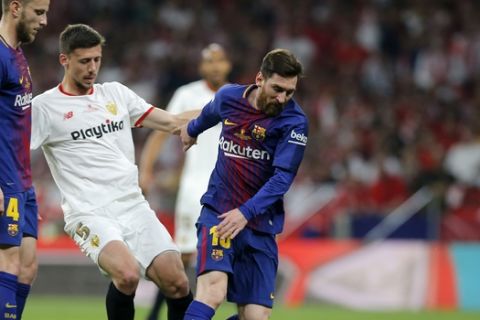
[(214, 68), (84, 129)]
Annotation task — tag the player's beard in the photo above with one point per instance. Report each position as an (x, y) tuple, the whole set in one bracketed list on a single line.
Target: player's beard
[(22, 32), (271, 109)]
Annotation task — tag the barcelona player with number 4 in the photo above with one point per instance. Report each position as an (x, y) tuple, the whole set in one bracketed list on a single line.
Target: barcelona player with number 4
[(263, 138), (20, 22)]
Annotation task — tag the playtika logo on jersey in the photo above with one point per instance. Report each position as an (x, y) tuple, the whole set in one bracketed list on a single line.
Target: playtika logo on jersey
[(98, 131)]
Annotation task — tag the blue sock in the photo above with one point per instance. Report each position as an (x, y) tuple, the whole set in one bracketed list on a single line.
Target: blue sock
[(22, 293), (8, 291), (199, 311), (234, 317)]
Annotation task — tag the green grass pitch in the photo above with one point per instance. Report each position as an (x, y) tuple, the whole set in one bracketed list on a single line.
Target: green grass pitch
[(92, 308)]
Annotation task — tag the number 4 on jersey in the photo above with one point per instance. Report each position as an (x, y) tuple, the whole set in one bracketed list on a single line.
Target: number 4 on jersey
[(12, 209)]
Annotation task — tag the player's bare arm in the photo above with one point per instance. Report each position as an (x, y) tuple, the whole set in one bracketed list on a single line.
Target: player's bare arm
[(232, 223), (163, 120)]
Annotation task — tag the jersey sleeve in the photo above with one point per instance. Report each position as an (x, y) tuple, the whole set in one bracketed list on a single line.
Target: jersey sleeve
[(40, 125), (291, 147), (209, 116), (136, 105)]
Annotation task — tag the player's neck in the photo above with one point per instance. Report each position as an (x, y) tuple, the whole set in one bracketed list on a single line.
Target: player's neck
[(8, 33), (69, 88)]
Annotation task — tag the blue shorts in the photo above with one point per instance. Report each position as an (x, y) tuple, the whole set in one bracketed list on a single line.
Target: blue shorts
[(250, 260), (20, 217)]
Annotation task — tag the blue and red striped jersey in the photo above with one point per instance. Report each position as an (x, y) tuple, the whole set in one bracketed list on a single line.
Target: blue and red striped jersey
[(15, 120), (251, 147)]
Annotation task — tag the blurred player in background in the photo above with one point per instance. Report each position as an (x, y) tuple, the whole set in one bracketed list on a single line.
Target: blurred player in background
[(85, 132), (199, 162), (20, 22), (262, 143)]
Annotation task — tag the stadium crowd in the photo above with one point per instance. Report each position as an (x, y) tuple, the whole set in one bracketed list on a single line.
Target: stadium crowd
[(391, 88)]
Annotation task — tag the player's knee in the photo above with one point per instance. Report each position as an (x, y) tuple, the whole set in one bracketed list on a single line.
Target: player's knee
[(127, 280), (212, 295), (176, 287)]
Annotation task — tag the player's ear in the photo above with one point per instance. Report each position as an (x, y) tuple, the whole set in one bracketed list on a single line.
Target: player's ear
[(15, 8), (259, 79), (63, 59)]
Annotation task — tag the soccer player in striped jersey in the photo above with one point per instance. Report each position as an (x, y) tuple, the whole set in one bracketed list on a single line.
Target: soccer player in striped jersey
[(84, 129), (214, 68), (264, 135), (20, 22)]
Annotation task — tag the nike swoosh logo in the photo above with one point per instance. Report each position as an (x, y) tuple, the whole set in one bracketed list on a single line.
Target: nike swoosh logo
[(228, 123), (10, 306), (26, 107)]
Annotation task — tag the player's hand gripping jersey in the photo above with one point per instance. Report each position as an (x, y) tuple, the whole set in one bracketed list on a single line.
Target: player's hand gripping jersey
[(258, 157)]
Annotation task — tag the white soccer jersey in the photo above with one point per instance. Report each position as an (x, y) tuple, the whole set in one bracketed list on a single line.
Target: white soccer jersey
[(199, 163), (87, 141)]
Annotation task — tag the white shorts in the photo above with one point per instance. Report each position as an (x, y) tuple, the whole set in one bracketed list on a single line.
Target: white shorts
[(130, 220), (187, 211)]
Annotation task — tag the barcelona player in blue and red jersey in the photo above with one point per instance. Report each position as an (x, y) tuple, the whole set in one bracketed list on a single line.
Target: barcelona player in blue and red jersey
[(20, 22), (261, 146)]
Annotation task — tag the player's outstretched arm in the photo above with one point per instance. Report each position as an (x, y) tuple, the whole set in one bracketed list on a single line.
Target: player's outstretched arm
[(163, 120), (153, 145), (2, 205)]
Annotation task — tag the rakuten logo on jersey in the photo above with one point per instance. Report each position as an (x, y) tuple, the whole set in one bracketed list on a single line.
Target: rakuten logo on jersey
[(299, 138), (23, 99), (231, 149), (98, 131)]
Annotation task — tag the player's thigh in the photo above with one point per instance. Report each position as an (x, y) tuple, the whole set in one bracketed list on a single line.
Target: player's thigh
[(92, 231), (148, 238), (12, 224), (12, 221), (213, 253), (9, 259), (168, 273), (117, 261), (254, 273), (254, 312)]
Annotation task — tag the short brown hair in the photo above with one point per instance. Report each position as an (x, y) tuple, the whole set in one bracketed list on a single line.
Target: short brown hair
[(281, 62), (79, 36)]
